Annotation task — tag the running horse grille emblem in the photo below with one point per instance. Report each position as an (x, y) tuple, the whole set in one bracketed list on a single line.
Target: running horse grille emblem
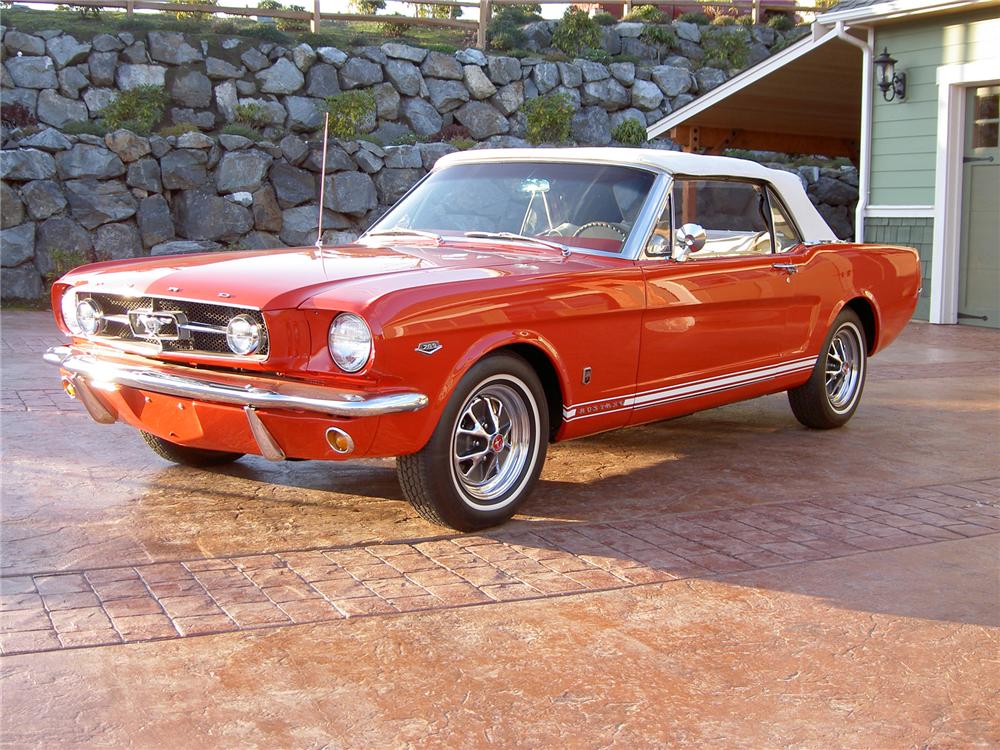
[(157, 325)]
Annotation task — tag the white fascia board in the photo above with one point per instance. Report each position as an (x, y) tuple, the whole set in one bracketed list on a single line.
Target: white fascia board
[(897, 8)]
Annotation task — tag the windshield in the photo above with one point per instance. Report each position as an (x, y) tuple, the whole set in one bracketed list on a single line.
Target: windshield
[(587, 206)]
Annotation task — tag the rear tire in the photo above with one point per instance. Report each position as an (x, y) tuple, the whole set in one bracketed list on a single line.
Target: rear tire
[(487, 450), (833, 392), (185, 456)]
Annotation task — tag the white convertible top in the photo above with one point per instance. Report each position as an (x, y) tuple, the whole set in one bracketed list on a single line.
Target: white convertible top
[(787, 184)]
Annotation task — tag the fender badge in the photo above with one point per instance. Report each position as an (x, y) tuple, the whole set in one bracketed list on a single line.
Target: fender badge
[(429, 347)]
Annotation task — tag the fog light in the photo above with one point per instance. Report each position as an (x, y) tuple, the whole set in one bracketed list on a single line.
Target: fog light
[(69, 387), (339, 440)]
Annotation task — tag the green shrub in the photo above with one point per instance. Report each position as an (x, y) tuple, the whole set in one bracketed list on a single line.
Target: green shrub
[(179, 128), (549, 118), (64, 261), (250, 115), (745, 20), (695, 17), (595, 54), (139, 109), (84, 12), (189, 15), (658, 35), (462, 144), (575, 32), (630, 132), (394, 29), (448, 49), (224, 27), (504, 31), (725, 50), (647, 14), (605, 19), (268, 33), (781, 22), (723, 21), (349, 112), (368, 7), (247, 132), (85, 127)]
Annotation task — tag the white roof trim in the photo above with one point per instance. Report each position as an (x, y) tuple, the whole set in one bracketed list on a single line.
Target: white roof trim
[(787, 184), (802, 47), (895, 8)]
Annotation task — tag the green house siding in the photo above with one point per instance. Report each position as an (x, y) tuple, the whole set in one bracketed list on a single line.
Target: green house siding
[(915, 232), (904, 133)]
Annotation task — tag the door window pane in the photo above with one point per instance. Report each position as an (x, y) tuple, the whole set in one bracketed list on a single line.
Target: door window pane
[(986, 117), (785, 235), (732, 213)]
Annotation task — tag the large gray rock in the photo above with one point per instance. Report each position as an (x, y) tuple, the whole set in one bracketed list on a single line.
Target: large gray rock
[(218, 69), (102, 66), (546, 77), (184, 247), (431, 152), (200, 118), (88, 161), (763, 34), (392, 132), (132, 76), (21, 283), (672, 80), (254, 60), (591, 126), (66, 50), (117, 241), (350, 193), (322, 81), (57, 110), (199, 215), (471, 56), (43, 198), (629, 29), (194, 139), (611, 40), (592, 71), (482, 120), (404, 76), (281, 78), (403, 157), (332, 55), (646, 95), (273, 112), (127, 144), (303, 114), (509, 98), (623, 72), (18, 245), (294, 149), (503, 70), (690, 32), (386, 101), (241, 170), (155, 222), (368, 161), (171, 47), (404, 52), (191, 88), (292, 186), (144, 174), (97, 99), (446, 95), (232, 142), (337, 160), (572, 95), (93, 202), (537, 35), (266, 212), (421, 116), (708, 79), (570, 74), (50, 140), (32, 72), (183, 169), (11, 207), (833, 192), (392, 184), (72, 81), (477, 82), (135, 54), (300, 224), (359, 73), (260, 241), (59, 235), (607, 93), (441, 65), (838, 218), (226, 100), (303, 56), (107, 43), (16, 42), (617, 118)]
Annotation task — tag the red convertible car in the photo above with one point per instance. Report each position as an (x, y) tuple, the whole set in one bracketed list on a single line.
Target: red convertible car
[(511, 299)]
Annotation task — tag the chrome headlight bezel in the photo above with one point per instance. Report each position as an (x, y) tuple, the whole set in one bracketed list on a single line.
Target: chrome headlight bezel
[(89, 317), (67, 308), (243, 335), (350, 342)]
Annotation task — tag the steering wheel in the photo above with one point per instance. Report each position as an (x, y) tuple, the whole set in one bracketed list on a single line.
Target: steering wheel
[(604, 235)]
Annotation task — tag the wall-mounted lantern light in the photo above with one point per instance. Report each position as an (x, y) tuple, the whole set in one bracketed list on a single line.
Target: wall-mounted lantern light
[(891, 83)]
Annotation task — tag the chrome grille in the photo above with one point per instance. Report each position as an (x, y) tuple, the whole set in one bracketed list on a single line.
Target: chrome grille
[(203, 314)]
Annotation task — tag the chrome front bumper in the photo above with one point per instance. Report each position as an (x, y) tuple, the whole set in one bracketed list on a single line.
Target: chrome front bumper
[(224, 388)]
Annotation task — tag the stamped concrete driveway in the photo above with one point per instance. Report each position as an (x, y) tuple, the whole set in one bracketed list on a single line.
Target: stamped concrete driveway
[(729, 579)]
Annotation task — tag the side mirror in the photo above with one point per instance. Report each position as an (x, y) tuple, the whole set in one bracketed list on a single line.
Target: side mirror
[(658, 245), (690, 238)]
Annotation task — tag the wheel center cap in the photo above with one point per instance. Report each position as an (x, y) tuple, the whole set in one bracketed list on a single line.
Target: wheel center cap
[(496, 443)]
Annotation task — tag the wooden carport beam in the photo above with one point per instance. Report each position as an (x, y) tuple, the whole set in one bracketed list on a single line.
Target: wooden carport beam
[(715, 140)]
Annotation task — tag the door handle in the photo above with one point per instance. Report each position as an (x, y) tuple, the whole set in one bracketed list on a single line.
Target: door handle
[(967, 159), (789, 268)]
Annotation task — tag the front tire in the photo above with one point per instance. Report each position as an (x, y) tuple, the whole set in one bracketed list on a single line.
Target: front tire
[(486, 452), (831, 396), (185, 456)]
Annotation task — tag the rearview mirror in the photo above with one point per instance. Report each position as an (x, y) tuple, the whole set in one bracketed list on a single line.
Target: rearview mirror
[(690, 238)]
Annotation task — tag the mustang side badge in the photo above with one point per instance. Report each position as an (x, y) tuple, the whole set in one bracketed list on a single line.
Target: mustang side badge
[(428, 347)]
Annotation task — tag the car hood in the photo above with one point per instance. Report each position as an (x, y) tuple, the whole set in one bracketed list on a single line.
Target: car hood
[(281, 279)]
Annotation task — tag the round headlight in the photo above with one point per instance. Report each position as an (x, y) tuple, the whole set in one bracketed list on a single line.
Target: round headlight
[(350, 342), (68, 309), (243, 335), (89, 316)]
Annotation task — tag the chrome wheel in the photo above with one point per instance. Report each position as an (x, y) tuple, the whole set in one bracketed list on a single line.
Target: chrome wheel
[(491, 442), (844, 368)]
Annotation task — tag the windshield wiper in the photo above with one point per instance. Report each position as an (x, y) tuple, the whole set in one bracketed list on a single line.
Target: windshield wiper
[(404, 232), (521, 238)]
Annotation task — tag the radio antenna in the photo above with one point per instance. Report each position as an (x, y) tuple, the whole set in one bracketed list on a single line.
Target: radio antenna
[(322, 180)]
